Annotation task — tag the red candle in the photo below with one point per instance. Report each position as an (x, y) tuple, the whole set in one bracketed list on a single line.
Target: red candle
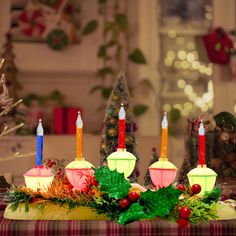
[(201, 145), (121, 136)]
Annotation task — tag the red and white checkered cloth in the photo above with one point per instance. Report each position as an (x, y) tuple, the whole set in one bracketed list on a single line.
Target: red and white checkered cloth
[(102, 228)]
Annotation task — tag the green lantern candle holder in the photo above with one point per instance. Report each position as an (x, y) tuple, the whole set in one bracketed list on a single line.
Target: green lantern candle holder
[(122, 161), (203, 176)]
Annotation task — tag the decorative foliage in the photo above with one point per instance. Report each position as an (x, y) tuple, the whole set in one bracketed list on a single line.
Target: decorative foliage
[(137, 56), (102, 198), (112, 182), (90, 27)]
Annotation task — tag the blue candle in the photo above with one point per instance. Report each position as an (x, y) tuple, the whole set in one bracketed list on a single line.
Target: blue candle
[(39, 144)]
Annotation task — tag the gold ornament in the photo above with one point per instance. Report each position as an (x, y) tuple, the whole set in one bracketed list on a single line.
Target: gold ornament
[(103, 147), (112, 132), (129, 140), (115, 98)]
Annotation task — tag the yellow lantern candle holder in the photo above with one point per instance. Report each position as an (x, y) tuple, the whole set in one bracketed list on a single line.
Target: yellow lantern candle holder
[(122, 161), (203, 176)]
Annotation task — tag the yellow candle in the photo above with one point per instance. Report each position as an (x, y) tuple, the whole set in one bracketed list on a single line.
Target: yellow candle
[(79, 137), (164, 137)]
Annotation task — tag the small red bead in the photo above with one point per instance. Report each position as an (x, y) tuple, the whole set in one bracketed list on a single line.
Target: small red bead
[(185, 212), (124, 203), (196, 188), (133, 196), (181, 187)]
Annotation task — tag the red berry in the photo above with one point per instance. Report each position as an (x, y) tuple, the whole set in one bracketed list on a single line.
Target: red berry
[(181, 187), (124, 203), (182, 222), (223, 197), (133, 196), (196, 188), (185, 212)]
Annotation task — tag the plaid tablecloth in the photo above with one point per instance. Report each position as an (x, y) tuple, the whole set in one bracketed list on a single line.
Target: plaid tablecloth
[(101, 228)]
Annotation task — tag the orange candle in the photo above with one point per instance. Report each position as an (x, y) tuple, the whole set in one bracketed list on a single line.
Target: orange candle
[(164, 137), (79, 137)]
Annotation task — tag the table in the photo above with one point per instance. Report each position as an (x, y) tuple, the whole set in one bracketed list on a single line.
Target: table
[(97, 228)]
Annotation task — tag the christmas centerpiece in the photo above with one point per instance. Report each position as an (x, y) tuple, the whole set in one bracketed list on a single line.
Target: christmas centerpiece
[(163, 172)]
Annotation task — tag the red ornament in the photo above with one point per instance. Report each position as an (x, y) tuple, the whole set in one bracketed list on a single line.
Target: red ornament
[(124, 203), (185, 212), (196, 188), (133, 196), (218, 45), (181, 187), (182, 222)]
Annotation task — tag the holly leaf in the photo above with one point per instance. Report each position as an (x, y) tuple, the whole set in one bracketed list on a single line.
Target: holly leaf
[(161, 202), (121, 21), (112, 182), (140, 109), (137, 56), (90, 27), (135, 212)]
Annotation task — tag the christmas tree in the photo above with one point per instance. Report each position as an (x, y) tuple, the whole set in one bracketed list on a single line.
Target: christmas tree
[(147, 178), (120, 94), (9, 68)]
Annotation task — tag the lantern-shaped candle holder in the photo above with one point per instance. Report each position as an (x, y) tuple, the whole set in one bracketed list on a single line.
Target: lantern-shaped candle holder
[(78, 173), (38, 177), (162, 173), (122, 161), (203, 176)]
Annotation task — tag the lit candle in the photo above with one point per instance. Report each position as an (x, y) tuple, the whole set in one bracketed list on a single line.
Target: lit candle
[(121, 136), (79, 137), (164, 137), (39, 144), (201, 145)]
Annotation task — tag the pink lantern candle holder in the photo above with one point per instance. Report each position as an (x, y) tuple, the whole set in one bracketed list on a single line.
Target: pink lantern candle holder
[(79, 172), (162, 173), (39, 177)]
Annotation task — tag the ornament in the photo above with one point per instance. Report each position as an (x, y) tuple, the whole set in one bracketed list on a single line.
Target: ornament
[(182, 222), (184, 212), (103, 147), (112, 120), (124, 203), (115, 98), (181, 187), (112, 132), (196, 188), (57, 39), (129, 140), (32, 22), (133, 196)]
